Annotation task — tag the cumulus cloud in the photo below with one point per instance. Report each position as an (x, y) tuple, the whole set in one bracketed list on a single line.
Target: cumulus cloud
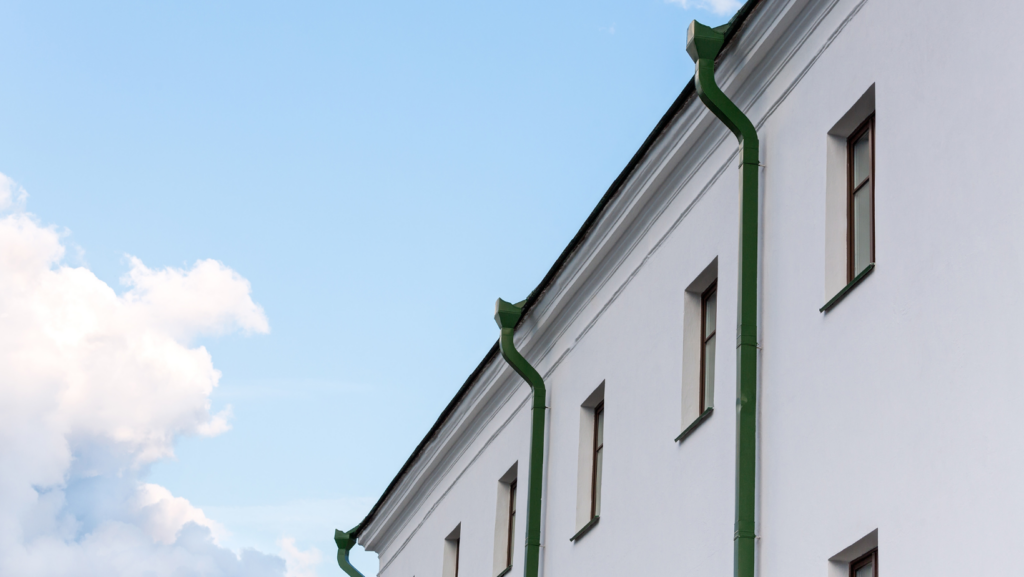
[(95, 386), (299, 563), (719, 7)]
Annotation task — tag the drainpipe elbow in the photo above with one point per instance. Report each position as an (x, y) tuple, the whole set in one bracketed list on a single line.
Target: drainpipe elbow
[(507, 315), (345, 542), (703, 44)]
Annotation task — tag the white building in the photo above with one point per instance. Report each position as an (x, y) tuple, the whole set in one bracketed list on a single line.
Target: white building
[(888, 428)]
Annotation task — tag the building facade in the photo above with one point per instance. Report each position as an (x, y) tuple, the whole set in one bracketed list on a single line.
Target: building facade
[(888, 380)]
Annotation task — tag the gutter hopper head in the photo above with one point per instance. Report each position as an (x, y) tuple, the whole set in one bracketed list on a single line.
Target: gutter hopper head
[(344, 540), (703, 42), (506, 314)]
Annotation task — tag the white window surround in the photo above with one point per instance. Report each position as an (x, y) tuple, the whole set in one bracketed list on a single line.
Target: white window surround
[(839, 564), (585, 468), (450, 565), (836, 192), (501, 518), (692, 345)]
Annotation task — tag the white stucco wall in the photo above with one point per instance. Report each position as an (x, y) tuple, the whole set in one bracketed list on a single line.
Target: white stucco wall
[(894, 412)]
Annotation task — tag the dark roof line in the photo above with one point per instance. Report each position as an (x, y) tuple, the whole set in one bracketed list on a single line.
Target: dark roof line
[(688, 92)]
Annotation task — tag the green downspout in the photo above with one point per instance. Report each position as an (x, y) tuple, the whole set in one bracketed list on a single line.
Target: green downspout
[(703, 44), (507, 315), (345, 542)]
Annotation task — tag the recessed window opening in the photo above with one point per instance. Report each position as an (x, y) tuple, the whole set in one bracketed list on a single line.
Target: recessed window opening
[(861, 200), (505, 521), (595, 487), (850, 185), (700, 338), (589, 476), (709, 325), (857, 560), (866, 566), (452, 543)]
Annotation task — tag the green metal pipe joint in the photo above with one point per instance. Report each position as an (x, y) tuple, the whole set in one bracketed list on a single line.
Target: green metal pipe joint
[(345, 542), (704, 44), (507, 315)]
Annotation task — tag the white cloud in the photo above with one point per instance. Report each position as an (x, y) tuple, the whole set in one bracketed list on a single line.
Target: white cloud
[(11, 194), (94, 386), (162, 515), (720, 7), (300, 563), (208, 299)]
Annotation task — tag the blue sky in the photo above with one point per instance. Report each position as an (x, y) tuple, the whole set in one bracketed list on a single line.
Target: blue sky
[(378, 172)]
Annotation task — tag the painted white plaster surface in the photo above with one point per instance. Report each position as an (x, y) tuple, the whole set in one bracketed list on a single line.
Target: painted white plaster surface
[(895, 412)]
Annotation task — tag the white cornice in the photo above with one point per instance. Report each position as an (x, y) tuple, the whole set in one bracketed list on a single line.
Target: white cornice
[(767, 51)]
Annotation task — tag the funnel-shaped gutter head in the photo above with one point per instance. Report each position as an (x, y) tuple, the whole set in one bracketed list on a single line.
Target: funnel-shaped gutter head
[(506, 314), (344, 540), (703, 42)]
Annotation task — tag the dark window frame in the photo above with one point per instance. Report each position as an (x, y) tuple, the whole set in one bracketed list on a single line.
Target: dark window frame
[(704, 338), (868, 126), (511, 521), (598, 414), (870, 557)]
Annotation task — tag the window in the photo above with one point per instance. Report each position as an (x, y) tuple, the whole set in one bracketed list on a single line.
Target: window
[(866, 566), (858, 560), (589, 477), (505, 521), (450, 566), (860, 203), (700, 329), (709, 324), (511, 523), (595, 487), (850, 199)]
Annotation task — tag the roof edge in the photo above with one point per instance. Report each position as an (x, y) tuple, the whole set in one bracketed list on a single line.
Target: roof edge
[(688, 92)]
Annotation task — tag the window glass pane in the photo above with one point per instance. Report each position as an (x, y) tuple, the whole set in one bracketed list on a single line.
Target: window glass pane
[(862, 158), (709, 366), (598, 461), (861, 228), (866, 571), (710, 314), (600, 429)]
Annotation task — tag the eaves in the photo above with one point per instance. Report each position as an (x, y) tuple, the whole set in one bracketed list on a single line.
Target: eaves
[(550, 279)]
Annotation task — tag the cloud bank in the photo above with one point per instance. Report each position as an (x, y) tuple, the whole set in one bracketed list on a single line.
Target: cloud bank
[(95, 386), (720, 7)]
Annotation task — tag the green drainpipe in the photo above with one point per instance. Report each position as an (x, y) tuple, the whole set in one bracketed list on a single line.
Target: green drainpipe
[(345, 542), (507, 315), (703, 44)]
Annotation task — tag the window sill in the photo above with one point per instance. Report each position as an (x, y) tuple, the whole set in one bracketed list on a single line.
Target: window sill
[(693, 426), (846, 289), (504, 572), (586, 528)]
